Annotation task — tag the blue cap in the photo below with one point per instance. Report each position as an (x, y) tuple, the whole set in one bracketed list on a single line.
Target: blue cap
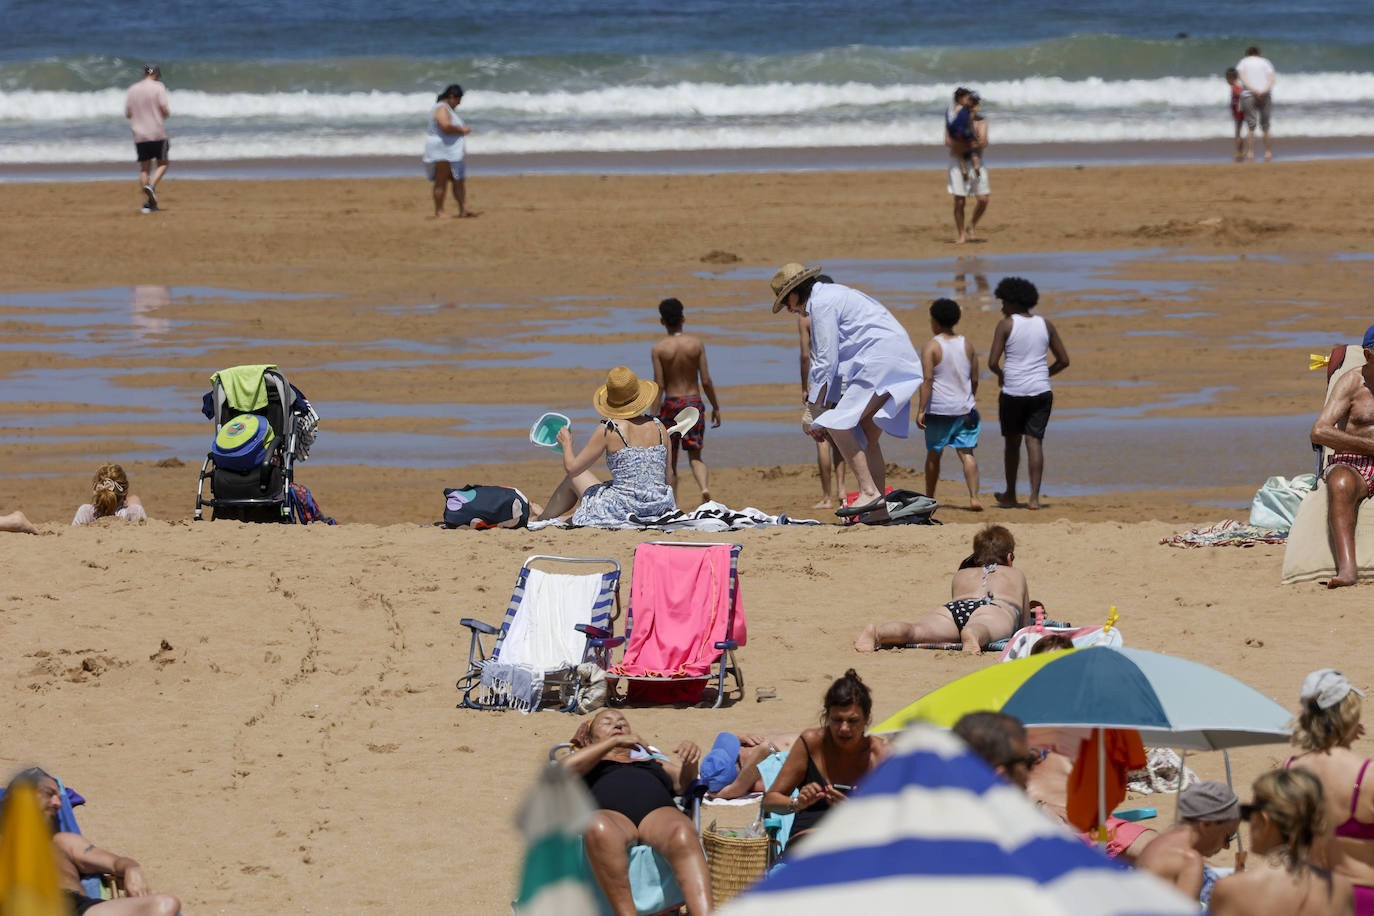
[(1369, 338), (720, 766)]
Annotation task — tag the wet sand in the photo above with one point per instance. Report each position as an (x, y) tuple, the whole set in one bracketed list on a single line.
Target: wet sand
[(303, 716)]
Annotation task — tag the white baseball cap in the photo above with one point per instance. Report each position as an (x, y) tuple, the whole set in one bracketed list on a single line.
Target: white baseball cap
[(1326, 688)]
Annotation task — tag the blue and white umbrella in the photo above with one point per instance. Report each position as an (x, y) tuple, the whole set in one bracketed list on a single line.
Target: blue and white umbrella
[(934, 830)]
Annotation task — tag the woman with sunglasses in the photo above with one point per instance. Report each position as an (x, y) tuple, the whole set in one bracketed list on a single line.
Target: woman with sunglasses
[(1286, 818), (1328, 723)]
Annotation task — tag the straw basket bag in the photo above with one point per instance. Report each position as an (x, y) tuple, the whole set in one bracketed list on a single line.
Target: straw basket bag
[(735, 862)]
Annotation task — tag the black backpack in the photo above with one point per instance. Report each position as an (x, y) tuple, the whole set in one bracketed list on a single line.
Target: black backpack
[(485, 506)]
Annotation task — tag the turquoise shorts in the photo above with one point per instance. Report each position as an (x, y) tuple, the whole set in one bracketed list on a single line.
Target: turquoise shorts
[(952, 432)]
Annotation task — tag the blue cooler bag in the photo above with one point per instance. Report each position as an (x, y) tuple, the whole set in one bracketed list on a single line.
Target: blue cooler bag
[(243, 443)]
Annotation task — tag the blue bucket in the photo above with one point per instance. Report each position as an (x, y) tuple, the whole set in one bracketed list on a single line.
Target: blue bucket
[(544, 432)]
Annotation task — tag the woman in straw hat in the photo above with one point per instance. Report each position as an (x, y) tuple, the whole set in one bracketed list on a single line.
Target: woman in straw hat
[(856, 347), (634, 446)]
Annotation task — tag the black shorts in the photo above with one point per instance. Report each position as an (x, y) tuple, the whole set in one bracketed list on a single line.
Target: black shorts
[(80, 903), (1024, 416), (152, 149)]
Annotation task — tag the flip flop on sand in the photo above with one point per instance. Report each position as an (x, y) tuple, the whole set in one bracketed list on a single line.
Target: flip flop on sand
[(848, 511)]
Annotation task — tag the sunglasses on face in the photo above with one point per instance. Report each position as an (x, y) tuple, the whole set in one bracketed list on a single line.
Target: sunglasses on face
[(1250, 810), (1030, 760)]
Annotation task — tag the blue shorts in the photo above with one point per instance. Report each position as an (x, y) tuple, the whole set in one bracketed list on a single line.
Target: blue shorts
[(953, 432)]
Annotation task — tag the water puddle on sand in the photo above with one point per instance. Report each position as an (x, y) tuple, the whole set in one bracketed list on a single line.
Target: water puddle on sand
[(1088, 450)]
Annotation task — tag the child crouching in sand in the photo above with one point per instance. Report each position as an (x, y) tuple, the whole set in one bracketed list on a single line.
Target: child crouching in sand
[(990, 602)]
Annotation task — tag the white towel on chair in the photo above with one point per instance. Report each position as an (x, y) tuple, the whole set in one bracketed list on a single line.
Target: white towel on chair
[(542, 637)]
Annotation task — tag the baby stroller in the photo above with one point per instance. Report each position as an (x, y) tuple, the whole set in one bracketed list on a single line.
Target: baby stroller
[(263, 426)]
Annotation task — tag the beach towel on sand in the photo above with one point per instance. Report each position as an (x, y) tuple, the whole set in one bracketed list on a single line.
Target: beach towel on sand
[(542, 637), (1309, 555), (681, 605), (709, 516), (1228, 533)]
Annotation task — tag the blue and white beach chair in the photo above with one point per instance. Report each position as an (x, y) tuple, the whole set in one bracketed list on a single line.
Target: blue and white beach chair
[(553, 642)]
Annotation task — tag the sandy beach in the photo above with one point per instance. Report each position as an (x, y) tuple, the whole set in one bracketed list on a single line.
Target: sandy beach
[(263, 715)]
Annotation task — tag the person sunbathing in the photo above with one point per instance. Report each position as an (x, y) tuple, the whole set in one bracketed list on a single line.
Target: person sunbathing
[(1286, 818), (828, 761), (18, 522), (730, 768), (636, 455), (75, 856), (633, 785), (110, 496), (1209, 816), (990, 601)]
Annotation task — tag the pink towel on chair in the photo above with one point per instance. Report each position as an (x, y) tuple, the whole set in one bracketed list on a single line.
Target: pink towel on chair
[(680, 599)]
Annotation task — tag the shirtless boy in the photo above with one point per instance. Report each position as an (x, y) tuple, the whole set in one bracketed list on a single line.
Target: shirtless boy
[(990, 601), (75, 856), (679, 360), (1346, 426)]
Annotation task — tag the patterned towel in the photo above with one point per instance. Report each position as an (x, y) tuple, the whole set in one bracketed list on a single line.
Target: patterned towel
[(1229, 533)]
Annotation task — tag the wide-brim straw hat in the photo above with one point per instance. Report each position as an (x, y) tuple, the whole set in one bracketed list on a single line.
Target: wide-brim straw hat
[(624, 395), (788, 278)]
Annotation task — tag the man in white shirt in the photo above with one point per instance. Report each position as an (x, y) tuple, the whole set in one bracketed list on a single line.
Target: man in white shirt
[(146, 108), (1257, 83)]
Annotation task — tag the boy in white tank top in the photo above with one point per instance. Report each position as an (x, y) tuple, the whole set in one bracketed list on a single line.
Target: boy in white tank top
[(946, 408), (1023, 407)]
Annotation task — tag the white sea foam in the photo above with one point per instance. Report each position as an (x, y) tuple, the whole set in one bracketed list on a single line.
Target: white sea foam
[(915, 133), (683, 100)]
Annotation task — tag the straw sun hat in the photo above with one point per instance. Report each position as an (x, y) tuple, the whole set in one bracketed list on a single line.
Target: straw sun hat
[(788, 278), (624, 395)]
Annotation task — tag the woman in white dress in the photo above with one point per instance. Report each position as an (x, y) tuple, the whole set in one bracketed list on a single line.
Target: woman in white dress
[(860, 349), (445, 151)]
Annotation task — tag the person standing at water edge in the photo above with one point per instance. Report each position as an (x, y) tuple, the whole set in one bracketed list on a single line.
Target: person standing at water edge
[(857, 347), (964, 182), (679, 360), (1023, 407), (1237, 113), (1256, 99), (445, 151), (1346, 426), (946, 410), (145, 105)]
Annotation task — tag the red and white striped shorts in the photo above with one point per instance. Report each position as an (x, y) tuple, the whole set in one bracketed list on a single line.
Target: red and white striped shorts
[(1361, 464)]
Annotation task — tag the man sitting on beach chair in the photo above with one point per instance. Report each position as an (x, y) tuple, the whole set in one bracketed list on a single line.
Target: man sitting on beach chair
[(76, 856), (1346, 426)]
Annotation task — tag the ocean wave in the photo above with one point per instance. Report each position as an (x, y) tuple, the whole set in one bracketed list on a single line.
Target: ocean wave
[(683, 100), (916, 134)]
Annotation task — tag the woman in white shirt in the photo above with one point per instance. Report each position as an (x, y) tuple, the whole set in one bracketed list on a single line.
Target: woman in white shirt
[(858, 348), (445, 151)]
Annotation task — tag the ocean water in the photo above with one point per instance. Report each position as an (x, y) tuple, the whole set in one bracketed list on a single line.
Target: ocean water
[(348, 78)]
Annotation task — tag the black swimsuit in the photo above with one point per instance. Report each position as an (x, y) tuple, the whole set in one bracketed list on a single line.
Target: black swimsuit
[(633, 789), (962, 609), (809, 816)]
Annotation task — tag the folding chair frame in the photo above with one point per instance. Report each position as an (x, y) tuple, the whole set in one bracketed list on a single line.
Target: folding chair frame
[(564, 683), (724, 663)]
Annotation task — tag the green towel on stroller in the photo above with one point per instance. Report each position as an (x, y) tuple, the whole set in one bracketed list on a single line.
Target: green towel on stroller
[(244, 389)]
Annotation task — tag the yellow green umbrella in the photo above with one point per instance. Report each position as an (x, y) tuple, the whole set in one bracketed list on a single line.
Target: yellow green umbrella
[(28, 873), (988, 689)]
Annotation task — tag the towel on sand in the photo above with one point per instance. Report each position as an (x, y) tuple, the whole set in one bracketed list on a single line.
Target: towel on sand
[(711, 516), (1229, 533)]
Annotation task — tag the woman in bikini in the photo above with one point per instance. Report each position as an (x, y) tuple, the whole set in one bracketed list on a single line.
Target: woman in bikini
[(990, 601), (633, 785), (636, 455), (827, 762), (1327, 725), (1286, 818)]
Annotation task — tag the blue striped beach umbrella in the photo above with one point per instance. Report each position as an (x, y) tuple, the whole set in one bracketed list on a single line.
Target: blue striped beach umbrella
[(934, 830)]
